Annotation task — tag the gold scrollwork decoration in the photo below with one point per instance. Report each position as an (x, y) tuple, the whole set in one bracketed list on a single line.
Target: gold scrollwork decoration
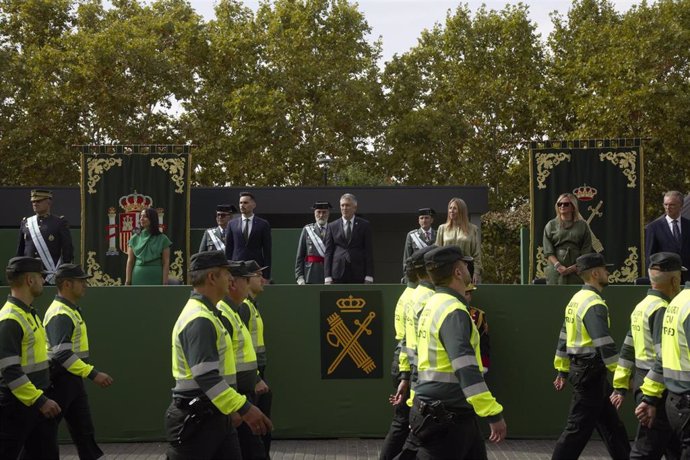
[(626, 161), (176, 168), (176, 266), (96, 167), (545, 163), (98, 277), (541, 263), (629, 271)]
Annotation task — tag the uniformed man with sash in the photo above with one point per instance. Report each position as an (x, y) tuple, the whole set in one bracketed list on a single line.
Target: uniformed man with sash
[(45, 236), (214, 238), (27, 415), (639, 351), (422, 236), (203, 363), (248, 379), (584, 353), (450, 391), (311, 249), (68, 349)]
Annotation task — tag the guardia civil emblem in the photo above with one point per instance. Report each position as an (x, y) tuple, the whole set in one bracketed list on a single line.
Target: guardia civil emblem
[(351, 334), (586, 194), (121, 230)]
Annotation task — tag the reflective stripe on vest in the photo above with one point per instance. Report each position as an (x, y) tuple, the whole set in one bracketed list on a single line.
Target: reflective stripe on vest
[(256, 326), (34, 351), (245, 357), (578, 341), (643, 342), (414, 308), (182, 373), (434, 363), (675, 354), (80, 339)]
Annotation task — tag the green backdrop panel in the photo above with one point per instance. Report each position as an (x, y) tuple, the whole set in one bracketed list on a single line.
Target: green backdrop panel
[(129, 328)]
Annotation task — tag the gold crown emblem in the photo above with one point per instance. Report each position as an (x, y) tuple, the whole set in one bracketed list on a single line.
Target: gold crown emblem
[(585, 193), (135, 202), (351, 304)]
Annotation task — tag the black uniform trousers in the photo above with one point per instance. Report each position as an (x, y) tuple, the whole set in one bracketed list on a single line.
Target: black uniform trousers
[(652, 443), (68, 391), (678, 412), (398, 431), (264, 402), (460, 440), (200, 434), (251, 445), (591, 408), (23, 427)]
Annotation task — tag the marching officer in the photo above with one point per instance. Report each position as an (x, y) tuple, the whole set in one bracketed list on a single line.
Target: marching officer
[(248, 380), (585, 350), (670, 372), (311, 249), (214, 238), (204, 397), (399, 429), (45, 235), (68, 349), (638, 354), (27, 415), (450, 390), (420, 237), (251, 317)]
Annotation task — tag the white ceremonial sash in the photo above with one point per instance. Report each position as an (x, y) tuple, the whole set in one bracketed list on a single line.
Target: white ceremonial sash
[(418, 241), (42, 249), (216, 241), (318, 243)]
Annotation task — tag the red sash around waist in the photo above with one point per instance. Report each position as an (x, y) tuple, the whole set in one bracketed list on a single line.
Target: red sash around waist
[(312, 259)]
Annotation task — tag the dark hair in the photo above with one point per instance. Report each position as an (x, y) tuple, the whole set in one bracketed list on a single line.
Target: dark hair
[(442, 276), (249, 194), (154, 226), (411, 274), (14, 279)]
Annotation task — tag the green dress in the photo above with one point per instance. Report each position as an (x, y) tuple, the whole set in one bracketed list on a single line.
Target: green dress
[(148, 252), (567, 244)]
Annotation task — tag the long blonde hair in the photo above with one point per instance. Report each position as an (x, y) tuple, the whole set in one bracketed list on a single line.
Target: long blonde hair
[(463, 217), (573, 203)]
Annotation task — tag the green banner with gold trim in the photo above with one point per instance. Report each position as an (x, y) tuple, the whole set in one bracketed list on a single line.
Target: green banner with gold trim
[(115, 188), (606, 177)]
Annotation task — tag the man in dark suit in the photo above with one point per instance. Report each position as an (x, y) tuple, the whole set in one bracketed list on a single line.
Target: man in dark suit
[(670, 232), (349, 250), (249, 237)]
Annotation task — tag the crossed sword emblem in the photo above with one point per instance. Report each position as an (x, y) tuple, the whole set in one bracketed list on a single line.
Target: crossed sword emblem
[(341, 336), (596, 243)]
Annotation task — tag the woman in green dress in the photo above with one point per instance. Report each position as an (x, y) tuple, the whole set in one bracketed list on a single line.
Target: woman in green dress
[(566, 237), (148, 255)]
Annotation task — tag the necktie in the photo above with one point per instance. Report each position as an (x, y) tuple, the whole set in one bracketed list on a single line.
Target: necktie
[(428, 236), (321, 231), (676, 230), (245, 230), (348, 230)]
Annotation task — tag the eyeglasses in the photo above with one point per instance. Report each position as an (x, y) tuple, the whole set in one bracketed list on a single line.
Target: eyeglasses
[(564, 204)]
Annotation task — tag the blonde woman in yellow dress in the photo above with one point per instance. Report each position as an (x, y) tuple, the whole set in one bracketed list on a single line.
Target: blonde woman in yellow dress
[(459, 231)]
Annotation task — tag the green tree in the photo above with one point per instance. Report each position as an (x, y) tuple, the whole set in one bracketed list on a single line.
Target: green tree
[(461, 105), (300, 79)]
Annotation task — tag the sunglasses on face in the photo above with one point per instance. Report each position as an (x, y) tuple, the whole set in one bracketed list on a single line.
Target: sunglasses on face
[(564, 204)]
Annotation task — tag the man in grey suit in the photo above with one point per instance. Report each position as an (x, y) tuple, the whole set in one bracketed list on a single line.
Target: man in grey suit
[(311, 249), (420, 237), (349, 249), (214, 238)]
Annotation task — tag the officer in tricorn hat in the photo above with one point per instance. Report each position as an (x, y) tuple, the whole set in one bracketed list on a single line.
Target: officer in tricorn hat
[(585, 351), (45, 235), (311, 248), (450, 389), (27, 415), (639, 349), (196, 421), (420, 237), (214, 238)]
